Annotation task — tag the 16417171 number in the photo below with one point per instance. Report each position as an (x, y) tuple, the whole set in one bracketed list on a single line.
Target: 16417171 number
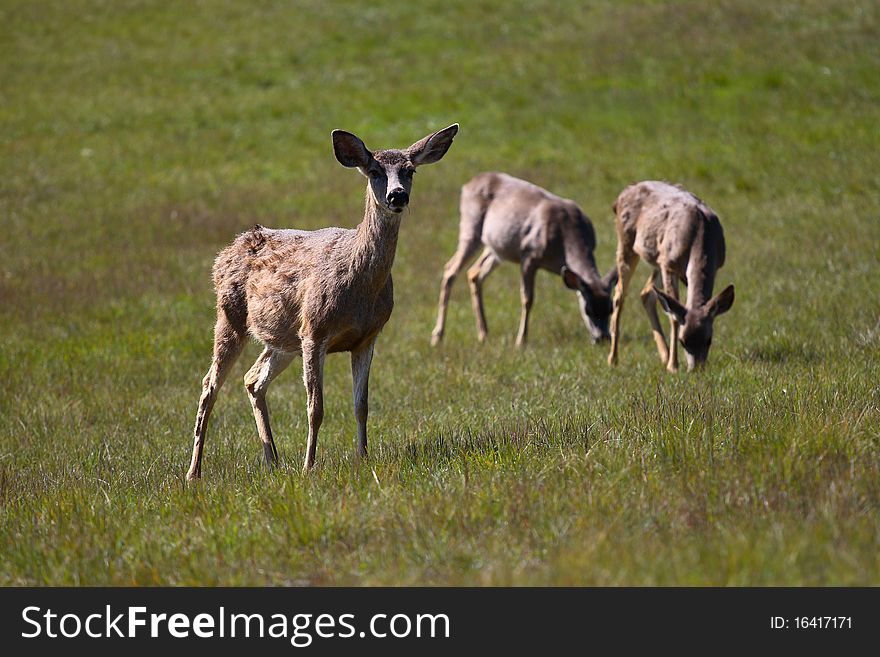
[(823, 622)]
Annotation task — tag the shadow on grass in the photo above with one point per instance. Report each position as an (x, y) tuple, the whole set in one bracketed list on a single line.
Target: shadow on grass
[(503, 440), (779, 353)]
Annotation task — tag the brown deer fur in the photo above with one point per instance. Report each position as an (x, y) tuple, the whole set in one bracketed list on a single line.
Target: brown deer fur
[(682, 239), (518, 221), (314, 293)]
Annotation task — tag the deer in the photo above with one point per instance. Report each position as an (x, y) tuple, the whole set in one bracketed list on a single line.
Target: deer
[(681, 238), (313, 293), (520, 222)]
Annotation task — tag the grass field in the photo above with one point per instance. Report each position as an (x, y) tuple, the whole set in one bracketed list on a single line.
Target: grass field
[(139, 137)]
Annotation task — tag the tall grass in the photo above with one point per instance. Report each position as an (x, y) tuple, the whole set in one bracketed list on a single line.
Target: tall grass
[(139, 137)]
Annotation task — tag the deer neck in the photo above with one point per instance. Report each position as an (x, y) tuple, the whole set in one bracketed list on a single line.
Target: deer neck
[(702, 265), (582, 263), (375, 245)]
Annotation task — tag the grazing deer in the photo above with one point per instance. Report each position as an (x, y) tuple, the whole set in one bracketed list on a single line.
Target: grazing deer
[(681, 238), (518, 221), (314, 292)]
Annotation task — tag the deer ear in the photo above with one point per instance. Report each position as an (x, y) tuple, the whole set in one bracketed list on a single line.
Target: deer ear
[(572, 281), (721, 302), (671, 306), (609, 280), (350, 150), (433, 147)]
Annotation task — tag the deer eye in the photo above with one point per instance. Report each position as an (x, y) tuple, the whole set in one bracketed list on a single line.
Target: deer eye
[(375, 173)]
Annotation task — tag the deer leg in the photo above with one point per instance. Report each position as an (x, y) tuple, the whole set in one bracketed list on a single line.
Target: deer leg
[(268, 365), (228, 344), (476, 275), (670, 286), (313, 353), (649, 301), (360, 379), (466, 249), (527, 296), (626, 265)]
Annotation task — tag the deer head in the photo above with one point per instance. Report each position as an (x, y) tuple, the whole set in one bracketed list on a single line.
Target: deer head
[(390, 172), (594, 300), (695, 324)]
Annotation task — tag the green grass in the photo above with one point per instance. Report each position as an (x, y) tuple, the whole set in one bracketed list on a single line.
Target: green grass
[(139, 137)]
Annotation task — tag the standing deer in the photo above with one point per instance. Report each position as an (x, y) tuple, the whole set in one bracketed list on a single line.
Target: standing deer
[(314, 292), (681, 238), (518, 221)]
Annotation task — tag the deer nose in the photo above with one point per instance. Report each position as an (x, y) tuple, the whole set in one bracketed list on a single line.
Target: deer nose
[(397, 198)]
